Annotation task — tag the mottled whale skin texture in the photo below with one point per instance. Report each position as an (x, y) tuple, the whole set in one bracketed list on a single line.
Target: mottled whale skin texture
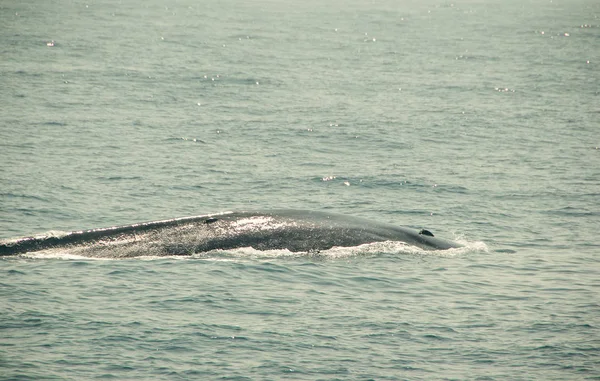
[(294, 230)]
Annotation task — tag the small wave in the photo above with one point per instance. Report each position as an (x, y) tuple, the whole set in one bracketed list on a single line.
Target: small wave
[(53, 123), (187, 139), (23, 196)]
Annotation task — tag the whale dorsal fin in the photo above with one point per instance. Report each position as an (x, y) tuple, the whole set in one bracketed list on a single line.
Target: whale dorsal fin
[(426, 232)]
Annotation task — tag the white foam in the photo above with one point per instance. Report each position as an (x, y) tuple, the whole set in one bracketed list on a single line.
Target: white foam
[(61, 254), (338, 252), (368, 249)]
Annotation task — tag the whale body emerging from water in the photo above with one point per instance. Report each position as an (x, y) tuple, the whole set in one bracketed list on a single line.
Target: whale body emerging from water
[(294, 230)]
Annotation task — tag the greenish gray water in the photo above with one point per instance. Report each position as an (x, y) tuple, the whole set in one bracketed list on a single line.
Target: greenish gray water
[(478, 120)]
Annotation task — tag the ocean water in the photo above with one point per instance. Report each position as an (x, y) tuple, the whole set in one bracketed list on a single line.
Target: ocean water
[(478, 120)]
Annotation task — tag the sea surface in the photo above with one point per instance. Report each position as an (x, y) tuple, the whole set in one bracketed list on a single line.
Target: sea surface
[(478, 120)]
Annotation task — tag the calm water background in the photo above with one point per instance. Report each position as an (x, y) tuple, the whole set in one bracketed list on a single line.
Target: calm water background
[(478, 120)]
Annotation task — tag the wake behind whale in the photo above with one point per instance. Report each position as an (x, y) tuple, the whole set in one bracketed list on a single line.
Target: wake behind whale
[(293, 230)]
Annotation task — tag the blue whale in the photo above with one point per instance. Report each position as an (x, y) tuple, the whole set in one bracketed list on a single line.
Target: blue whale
[(294, 230)]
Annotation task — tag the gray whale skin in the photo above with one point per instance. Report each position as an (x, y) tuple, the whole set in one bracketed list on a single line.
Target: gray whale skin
[(294, 230)]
